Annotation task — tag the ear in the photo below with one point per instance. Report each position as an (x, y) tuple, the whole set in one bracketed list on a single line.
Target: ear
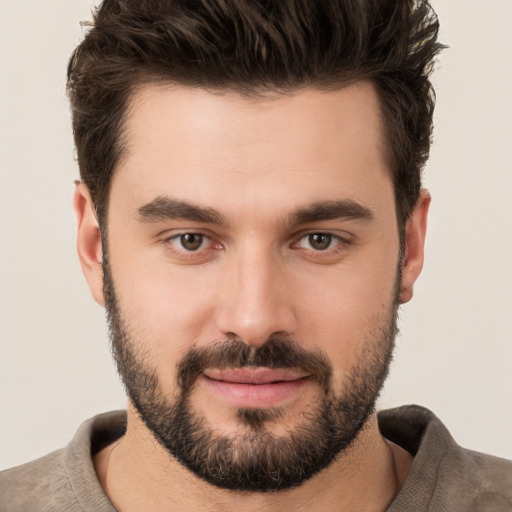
[(415, 231), (89, 241)]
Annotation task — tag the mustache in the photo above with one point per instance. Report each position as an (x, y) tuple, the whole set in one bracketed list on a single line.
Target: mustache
[(274, 354)]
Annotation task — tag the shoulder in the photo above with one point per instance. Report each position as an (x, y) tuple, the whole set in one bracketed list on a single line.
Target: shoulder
[(444, 475), (38, 485), (485, 480), (65, 479)]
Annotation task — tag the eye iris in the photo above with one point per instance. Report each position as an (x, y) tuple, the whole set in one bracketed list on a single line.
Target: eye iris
[(320, 241), (191, 241)]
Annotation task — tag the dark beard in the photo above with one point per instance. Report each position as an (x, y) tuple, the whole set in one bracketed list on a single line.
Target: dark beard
[(255, 460)]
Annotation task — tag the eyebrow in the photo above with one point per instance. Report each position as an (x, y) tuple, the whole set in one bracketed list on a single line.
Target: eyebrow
[(166, 208), (346, 209)]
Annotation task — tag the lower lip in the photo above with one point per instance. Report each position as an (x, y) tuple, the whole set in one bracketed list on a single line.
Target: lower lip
[(257, 396)]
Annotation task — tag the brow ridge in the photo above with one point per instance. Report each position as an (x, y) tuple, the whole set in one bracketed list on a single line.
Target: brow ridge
[(166, 208), (348, 209)]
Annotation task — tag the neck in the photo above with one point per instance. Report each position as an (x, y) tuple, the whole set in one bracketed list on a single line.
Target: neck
[(137, 473)]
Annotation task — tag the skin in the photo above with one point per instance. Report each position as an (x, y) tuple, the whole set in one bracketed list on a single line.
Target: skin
[(256, 162)]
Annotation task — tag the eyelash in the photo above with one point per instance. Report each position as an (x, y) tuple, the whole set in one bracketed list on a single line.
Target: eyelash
[(185, 254), (341, 244)]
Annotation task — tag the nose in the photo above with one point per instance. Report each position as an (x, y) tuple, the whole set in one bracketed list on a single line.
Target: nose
[(254, 302)]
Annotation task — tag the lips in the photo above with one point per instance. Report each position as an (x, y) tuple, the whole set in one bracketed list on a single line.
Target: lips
[(255, 376), (255, 387)]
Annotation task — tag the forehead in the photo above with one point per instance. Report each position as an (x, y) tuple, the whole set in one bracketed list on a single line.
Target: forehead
[(238, 151)]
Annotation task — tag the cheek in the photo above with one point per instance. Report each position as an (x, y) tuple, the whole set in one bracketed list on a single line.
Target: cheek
[(164, 308), (341, 317), (172, 303), (164, 319)]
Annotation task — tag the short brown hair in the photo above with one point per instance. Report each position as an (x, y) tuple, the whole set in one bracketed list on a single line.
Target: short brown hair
[(252, 46)]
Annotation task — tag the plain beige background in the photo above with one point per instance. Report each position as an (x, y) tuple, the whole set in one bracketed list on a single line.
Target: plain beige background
[(455, 350)]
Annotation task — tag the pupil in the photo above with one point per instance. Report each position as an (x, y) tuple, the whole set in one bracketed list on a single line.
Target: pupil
[(320, 241), (191, 242)]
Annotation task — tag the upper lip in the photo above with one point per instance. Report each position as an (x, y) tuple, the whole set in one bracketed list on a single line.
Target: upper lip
[(258, 375)]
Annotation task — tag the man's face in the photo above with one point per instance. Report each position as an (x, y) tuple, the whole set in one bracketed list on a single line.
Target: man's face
[(252, 276)]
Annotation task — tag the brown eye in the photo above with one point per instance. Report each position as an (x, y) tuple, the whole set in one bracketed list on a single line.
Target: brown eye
[(191, 241), (319, 241)]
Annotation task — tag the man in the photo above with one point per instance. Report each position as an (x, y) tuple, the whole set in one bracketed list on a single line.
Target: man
[(251, 216)]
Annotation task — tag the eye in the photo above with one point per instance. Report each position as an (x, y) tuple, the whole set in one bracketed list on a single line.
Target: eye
[(319, 241), (190, 247), (189, 242)]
